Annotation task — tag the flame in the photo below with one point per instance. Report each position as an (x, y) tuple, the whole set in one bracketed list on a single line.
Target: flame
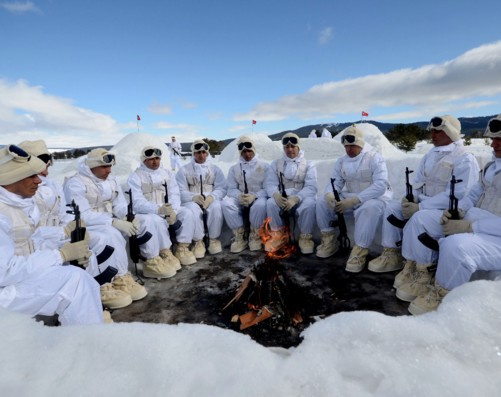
[(266, 234)]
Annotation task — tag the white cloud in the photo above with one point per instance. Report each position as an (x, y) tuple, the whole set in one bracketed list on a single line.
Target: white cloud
[(467, 78), (19, 7), (325, 35), (184, 132), (26, 112), (157, 108)]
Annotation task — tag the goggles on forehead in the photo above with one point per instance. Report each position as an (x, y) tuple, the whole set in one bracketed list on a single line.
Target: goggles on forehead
[(435, 123), (348, 139), (46, 158), (244, 145), (292, 140), (200, 146), (152, 153), (108, 158), (494, 126), (16, 154)]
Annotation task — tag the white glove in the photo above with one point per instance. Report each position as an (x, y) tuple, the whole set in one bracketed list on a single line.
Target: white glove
[(457, 226), (78, 251), (199, 199), (292, 201), (71, 226), (409, 208), (247, 199), (446, 216), (329, 197), (346, 204), (164, 210), (128, 228), (281, 201), (208, 201)]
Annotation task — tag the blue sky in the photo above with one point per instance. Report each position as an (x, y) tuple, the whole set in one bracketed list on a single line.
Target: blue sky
[(76, 73)]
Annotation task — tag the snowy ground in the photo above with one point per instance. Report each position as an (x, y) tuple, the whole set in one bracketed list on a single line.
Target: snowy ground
[(454, 351)]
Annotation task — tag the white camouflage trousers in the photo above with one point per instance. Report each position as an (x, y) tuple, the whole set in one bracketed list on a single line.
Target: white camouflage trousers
[(232, 211)]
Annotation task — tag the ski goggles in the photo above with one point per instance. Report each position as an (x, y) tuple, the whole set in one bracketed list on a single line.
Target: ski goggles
[(245, 145), (348, 139), (494, 126), (199, 147), (289, 140), (17, 154), (149, 153), (46, 158), (436, 123), (108, 159)]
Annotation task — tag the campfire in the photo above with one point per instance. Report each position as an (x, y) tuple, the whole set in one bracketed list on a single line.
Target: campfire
[(266, 291)]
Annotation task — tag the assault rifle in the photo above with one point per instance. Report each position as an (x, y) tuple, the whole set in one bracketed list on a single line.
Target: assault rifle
[(400, 223), (425, 238), (174, 227), (134, 241), (78, 235), (204, 215), (286, 214), (246, 211), (344, 240)]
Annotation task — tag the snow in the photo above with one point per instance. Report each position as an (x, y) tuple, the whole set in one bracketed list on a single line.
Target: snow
[(455, 351)]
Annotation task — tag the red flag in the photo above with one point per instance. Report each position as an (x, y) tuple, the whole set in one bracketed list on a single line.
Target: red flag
[(254, 121), (364, 114), (138, 118)]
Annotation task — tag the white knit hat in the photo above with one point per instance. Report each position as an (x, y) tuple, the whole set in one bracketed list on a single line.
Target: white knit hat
[(201, 145), (16, 164), (493, 129), (354, 136), (99, 157), (153, 152), (242, 141), (449, 124), (39, 149), (287, 141)]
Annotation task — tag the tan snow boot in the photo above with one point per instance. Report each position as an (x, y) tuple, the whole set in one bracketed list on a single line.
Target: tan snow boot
[(356, 261), (405, 276), (126, 283), (107, 317), (114, 298), (199, 249), (419, 285), (171, 260), (389, 261), (306, 244), (328, 245), (157, 268), (255, 242), (238, 244), (214, 246), (185, 256), (429, 301)]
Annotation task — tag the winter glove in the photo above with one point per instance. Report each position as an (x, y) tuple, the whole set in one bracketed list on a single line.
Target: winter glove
[(71, 226), (208, 201), (281, 201), (164, 209), (128, 228), (409, 208), (455, 227), (292, 201), (446, 216), (199, 199), (247, 199), (78, 251), (329, 197), (346, 204)]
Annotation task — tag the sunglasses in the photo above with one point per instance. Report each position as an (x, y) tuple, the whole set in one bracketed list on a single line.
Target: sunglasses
[(46, 158), (494, 126), (244, 145), (200, 146), (289, 140), (348, 139), (152, 153)]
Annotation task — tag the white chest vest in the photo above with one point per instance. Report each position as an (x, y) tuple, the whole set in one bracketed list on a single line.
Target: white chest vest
[(93, 196), (298, 181), (49, 205), (193, 180), (153, 191), (491, 197), (21, 231), (358, 178), (254, 177), (436, 181)]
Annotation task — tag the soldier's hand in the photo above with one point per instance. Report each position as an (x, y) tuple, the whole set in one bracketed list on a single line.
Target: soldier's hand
[(71, 226), (199, 199), (409, 208), (78, 251), (457, 226), (281, 201), (128, 228), (247, 199), (346, 204), (208, 201), (329, 197), (292, 201), (446, 216)]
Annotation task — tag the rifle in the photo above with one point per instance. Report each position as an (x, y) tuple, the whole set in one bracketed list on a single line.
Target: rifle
[(285, 215), (204, 215), (78, 235), (176, 152), (246, 211), (134, 241), (400, 223), (425, 238), (172, 228), (344, 240)]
